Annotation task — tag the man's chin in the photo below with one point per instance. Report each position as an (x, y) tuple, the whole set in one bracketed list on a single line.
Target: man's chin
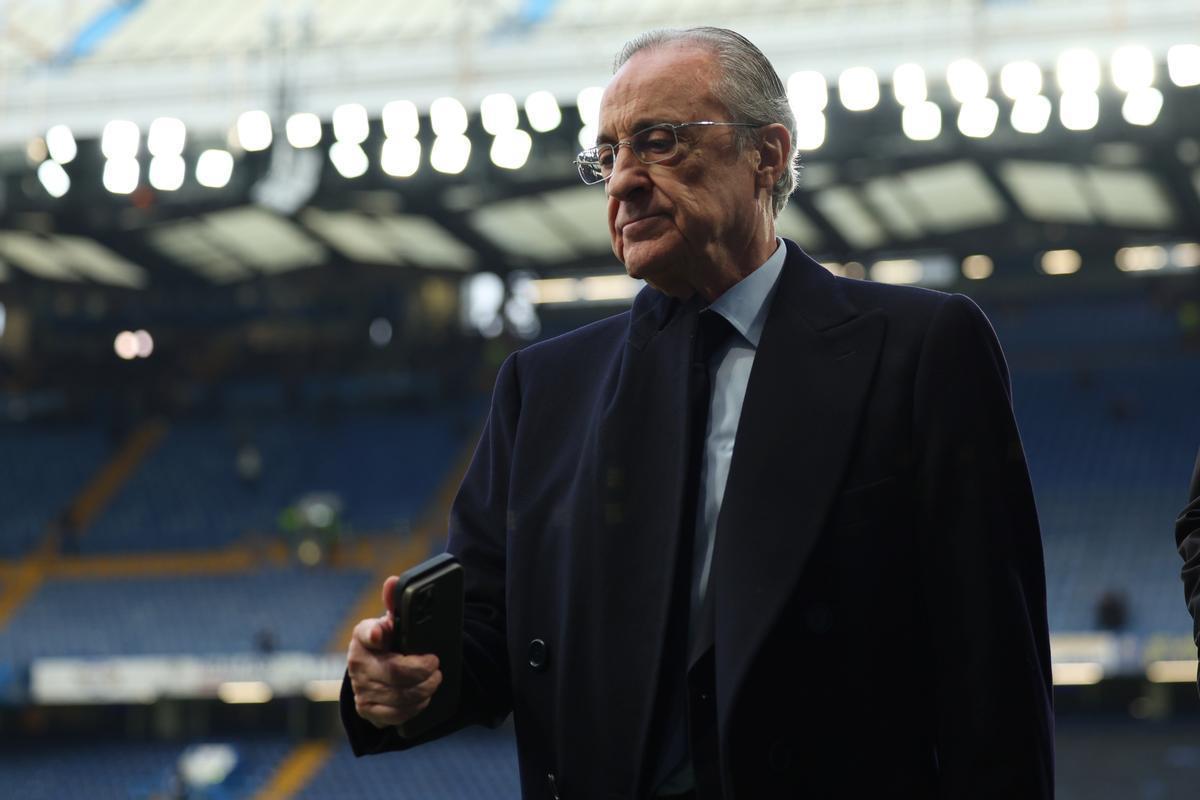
[(659, 275)]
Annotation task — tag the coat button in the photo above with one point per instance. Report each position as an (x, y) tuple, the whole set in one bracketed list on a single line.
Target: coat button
[(539, 655)]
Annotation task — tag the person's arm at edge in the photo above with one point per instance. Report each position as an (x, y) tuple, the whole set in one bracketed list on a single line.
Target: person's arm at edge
[(478, 538), (983, 575), (1187, 539)]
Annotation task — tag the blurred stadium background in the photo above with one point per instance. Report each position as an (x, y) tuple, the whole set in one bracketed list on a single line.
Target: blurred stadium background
[(259, 261)]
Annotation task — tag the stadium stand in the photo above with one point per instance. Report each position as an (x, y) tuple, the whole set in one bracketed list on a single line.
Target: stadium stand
[(435, 770), (1098, 384), (189, 495), (1109, 453), (181, 614), (124, 770), (44, 466)]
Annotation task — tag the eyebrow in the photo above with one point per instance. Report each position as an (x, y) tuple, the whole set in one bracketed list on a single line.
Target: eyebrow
[(638, 126)]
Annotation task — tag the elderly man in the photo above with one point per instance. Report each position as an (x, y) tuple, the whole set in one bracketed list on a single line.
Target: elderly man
[(767, 534)]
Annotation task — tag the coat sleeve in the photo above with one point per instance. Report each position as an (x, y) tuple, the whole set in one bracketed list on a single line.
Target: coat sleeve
[(478, 538), (983, 579), (1187, 539)]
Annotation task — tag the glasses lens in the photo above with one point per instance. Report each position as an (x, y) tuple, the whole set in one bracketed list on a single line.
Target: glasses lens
[(655, 144), (589, 166)]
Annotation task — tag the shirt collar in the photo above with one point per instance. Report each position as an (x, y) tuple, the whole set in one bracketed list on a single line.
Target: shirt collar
[(745, 304)]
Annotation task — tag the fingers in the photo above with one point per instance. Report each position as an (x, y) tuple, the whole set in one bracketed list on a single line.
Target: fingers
[(412, 670), (373, 634), (388, 586), (391, 706)]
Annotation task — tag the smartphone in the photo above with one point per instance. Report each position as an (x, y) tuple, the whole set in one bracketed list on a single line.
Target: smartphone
[(428, 605)]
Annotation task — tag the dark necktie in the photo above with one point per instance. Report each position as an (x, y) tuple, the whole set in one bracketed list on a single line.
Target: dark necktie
[(712, 331)]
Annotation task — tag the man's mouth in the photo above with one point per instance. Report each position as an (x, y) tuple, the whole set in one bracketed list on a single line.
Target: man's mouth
[(635, 225)]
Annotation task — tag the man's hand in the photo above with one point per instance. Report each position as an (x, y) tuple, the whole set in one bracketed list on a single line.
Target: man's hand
[(389, 688)]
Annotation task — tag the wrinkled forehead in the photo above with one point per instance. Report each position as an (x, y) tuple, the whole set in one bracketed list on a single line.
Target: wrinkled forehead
[(671, 83)]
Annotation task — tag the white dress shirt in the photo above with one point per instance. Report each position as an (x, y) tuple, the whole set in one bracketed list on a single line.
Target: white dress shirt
[(745, 306)]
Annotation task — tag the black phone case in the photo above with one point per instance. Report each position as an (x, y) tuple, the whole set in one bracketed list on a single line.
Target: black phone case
[(428, 600)]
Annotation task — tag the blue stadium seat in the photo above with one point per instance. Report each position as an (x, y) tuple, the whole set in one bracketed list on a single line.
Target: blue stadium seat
[(432, 770), (188, 495), (44, 468), (124, 770), (173, 615)]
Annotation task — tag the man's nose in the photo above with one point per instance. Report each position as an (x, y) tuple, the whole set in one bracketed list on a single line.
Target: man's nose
[(629, 175)]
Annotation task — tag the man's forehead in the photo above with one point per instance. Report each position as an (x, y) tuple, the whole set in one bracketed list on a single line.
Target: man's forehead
[(663, 84)]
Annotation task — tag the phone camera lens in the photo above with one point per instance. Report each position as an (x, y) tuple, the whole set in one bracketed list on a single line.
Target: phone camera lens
[(423, 605)]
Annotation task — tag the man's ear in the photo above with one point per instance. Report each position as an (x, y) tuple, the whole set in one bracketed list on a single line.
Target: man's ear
[(774, 144)]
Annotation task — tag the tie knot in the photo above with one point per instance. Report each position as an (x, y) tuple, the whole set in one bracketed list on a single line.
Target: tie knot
[(712, 331)]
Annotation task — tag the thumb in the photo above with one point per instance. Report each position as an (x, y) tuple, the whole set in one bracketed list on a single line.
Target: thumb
[(389, 586)]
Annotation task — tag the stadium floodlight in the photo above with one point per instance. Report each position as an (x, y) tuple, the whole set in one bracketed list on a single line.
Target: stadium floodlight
[(1021, 79), (899, 270), (254, 130), (909, 85), (922, 122), (510, 149), (36, 151), (977, 267), (807, 91), (380, 332), (859, 89), (1061, 262), (349, 159), (400, 120), (810, 129), (483, 299), (244, 692), (1078, 71), (350, 123), (1031, 114), (588, 104), (1183, 64), (120, 139), (214, 168), (450, 154), (542, 111), (498, 112), (1079, 111), (167, 172), (1132, 68), (1141, 259), (166, 137), (303, 130), (1142, 106), (977, 118), (60, 143), (54, 178), (400, 157), (125, 345), (587, 136), (1186, 255), (448, 117), (968, 80), (145, 343), (121, 174)]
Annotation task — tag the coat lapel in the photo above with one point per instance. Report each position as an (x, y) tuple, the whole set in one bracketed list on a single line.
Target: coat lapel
[(642, 436), (811, 375)]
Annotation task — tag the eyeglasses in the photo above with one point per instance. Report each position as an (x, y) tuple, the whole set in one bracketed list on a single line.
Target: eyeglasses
[(650, 145)]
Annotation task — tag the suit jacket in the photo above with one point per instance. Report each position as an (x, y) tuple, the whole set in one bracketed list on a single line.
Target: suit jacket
[(878, 585), (1187, 538)]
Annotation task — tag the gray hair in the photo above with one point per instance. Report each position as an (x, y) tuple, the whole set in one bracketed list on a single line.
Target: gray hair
[(749, 88)]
